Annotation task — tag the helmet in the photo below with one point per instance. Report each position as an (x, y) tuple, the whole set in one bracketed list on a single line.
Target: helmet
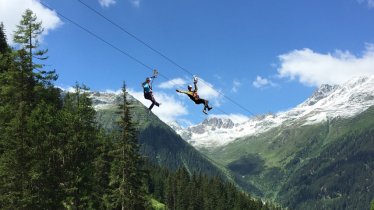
[(148, 79), (189, 86)]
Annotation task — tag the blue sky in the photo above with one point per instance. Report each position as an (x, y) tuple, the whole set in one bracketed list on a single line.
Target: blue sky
[(266, 55)]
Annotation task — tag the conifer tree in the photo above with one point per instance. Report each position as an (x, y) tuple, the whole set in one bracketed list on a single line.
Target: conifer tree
[(27, 36), (46, 171), (3, 40), (182, 188), (101, 172), (127, 191), (21, 92), (170, 192), (16, 142), (79, 148)]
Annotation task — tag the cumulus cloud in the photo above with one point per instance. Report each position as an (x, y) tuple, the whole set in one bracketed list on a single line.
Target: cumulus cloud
[(313, 69), (235, 118), (11, 13), (235, 85), (106, 3), (174, 83), (262, 82), (370, 3), (170, 110), (135, 3)]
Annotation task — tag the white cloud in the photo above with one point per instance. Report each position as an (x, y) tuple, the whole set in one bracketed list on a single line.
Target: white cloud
[(235, 118), (106, 3), (170, 108), (207, 91), (135, 3), (11, 12), (69, 89), (174, 83), (262, 82), (312, 68), (370, 3), (235, 85)]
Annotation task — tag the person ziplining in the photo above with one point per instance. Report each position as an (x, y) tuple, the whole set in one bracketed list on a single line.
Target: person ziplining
[(147, 89), (195, 97)]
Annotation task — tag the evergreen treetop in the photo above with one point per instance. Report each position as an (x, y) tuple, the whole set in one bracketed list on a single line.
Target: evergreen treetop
[(3, 40), (27, 35)]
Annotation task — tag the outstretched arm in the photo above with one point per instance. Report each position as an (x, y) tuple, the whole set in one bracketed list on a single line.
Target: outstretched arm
[(181, 91)]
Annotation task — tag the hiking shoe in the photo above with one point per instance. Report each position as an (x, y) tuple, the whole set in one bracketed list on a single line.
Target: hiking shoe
[(205, 111), (209, 108)]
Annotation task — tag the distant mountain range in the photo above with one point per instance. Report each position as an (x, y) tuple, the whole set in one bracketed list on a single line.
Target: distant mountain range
[(327, 103), (318, 155)]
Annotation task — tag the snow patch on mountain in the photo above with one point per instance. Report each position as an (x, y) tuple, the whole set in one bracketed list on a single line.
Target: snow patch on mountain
[(326, 103), (108, 99)]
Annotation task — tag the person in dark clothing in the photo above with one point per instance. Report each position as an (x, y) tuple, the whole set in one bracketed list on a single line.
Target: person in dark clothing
[(148, 94), (195, 97)]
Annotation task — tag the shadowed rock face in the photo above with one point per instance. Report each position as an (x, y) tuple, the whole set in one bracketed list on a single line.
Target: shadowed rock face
[(212, 124), (321, 93), (219, 123)]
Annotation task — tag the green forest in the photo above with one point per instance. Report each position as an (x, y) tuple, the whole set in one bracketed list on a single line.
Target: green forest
[(55, 155)]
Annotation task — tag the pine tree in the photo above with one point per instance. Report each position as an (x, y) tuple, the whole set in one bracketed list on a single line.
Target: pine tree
[(126, 174), (170, 192), (46, 171), (21, 92), (27, 35), (182, 184), (101, 166), (79, 144), (3, 40), (16, 141)]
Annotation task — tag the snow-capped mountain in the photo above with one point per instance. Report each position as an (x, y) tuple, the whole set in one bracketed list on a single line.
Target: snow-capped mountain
[(107, 100), (328, 102)]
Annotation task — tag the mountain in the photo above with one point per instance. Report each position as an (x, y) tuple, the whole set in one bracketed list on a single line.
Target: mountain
[(327, 103), (159, 143), (318, 155)]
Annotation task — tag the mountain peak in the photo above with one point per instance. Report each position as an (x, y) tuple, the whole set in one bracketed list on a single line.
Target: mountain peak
[(327, 102), (322, 92), (218, 122)]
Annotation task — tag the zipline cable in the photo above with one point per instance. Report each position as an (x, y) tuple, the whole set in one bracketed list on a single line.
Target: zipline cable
[(161, 54), (114, 47)]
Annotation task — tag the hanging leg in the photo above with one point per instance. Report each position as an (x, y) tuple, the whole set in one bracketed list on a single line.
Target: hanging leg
[(150, 97)]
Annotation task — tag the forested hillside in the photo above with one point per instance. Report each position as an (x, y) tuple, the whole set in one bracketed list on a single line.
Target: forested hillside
[(159, 143), (54, 154)]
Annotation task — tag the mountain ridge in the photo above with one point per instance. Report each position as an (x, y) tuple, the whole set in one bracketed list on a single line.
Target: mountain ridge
[(326, 103)]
